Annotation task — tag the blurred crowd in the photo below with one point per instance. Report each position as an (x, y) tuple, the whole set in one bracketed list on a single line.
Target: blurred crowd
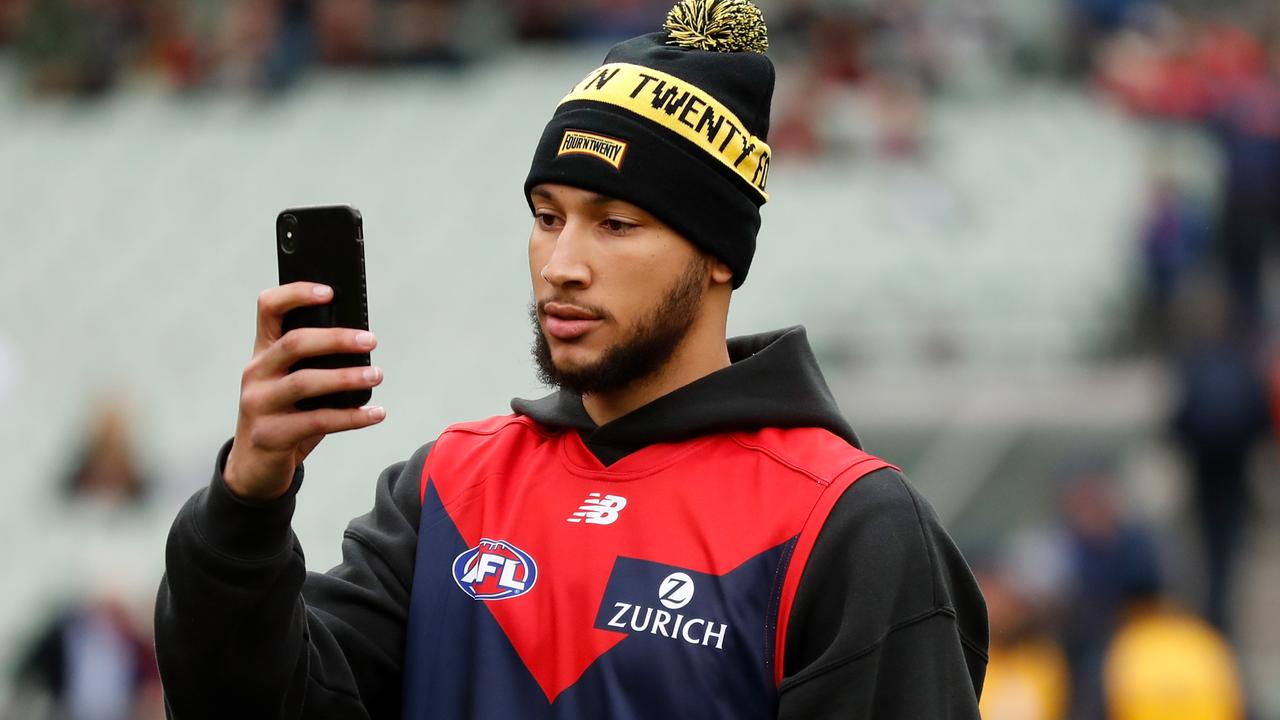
[(1208, 90), (1083, 623), (92, 658), (87, 47)]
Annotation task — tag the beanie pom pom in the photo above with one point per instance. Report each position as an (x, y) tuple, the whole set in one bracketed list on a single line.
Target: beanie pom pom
[(717, 25)]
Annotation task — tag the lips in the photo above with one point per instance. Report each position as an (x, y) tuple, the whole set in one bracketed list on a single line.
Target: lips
[(568, 322)]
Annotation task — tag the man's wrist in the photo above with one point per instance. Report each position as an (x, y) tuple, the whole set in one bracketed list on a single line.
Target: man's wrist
[(245, 528)]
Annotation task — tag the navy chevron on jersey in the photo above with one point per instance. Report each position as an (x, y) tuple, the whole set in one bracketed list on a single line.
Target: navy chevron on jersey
[(548, 585)]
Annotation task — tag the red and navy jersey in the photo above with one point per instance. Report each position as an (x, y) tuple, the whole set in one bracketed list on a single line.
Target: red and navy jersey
[(542, 566), (548, 585)]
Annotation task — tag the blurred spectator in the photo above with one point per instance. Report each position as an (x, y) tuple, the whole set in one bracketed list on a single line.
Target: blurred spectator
[(173, 47), (247, 41), (77, 47), (619, 19), (1220, 417), (1089, 22), (294, 47), (421, 31), (831, 46), (11, 16), (106, 469), (838, 40), (1112, 558), (368, 32), (1248, 131), (90, 663), (1027, 677), (888, 48), (1231, 59), (904, 41), (797, 131), (545, 19), (1165, 664), (900, 111), (1151, 68), (1175, 240), (344, 31)]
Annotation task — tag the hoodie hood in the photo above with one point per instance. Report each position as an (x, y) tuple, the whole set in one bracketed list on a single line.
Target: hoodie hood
[(773, 381)]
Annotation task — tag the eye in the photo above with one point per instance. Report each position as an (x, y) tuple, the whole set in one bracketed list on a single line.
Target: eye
[(546, 220), (615, 226)]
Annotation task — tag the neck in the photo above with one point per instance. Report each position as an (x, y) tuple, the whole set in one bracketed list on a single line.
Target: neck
[(702, 352)]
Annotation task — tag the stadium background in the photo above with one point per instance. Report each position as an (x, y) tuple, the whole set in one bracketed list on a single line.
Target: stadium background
[(1033, 244)]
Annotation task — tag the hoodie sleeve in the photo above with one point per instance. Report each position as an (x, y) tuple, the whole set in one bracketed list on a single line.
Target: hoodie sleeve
[(243, 630), (888, 621)]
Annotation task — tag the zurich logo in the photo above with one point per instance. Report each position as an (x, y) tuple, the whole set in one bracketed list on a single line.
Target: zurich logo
[(676, 590), (494, 570)]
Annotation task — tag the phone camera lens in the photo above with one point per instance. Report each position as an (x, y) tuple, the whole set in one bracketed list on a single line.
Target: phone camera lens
[(289, 235)]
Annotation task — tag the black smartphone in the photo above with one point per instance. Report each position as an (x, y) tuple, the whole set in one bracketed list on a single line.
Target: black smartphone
[(326, 245)]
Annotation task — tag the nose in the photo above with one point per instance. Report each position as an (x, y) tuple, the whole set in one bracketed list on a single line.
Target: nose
[(567, 265)]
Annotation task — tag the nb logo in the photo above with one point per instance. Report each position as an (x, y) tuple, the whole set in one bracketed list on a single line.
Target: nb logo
[(494, 570), (598, 510)]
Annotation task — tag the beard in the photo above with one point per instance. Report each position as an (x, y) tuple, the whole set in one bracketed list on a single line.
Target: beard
[(645, 349)]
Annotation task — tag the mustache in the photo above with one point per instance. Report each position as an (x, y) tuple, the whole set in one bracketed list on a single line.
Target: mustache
[(595, 310)]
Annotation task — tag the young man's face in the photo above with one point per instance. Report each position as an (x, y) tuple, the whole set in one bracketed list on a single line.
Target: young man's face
[(615, 290)]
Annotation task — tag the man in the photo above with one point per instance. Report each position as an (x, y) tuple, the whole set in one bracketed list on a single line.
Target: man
[(687, 528)]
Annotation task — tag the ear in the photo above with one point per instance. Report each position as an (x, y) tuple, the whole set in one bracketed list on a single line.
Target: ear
[(720, 273)]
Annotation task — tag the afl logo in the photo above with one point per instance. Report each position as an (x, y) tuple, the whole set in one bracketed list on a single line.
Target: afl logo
[(495, 570)]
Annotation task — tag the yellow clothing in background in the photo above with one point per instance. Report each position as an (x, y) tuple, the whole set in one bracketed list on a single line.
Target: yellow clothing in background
[(1025, 681), (1166, 665)]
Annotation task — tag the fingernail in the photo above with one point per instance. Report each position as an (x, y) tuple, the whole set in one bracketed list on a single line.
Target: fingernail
[(322, 290), (365, 339), (371, 374), (377, 412)]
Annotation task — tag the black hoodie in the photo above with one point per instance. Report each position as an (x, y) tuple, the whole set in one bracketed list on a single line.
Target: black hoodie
[(879, 629)]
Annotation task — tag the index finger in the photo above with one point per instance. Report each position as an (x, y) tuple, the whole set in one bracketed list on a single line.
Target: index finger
[(274, 302)]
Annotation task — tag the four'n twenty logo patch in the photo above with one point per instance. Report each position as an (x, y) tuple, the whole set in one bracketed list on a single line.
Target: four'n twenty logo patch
[(495, 570), (598, 510), (607, 149)]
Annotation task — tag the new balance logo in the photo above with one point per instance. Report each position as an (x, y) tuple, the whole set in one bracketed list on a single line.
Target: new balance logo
[(598, 510)]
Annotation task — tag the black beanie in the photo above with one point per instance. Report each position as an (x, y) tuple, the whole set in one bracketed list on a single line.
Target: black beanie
[(675, 122)]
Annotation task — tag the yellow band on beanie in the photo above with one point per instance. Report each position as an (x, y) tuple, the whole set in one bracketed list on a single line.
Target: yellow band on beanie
[(684, 109)]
